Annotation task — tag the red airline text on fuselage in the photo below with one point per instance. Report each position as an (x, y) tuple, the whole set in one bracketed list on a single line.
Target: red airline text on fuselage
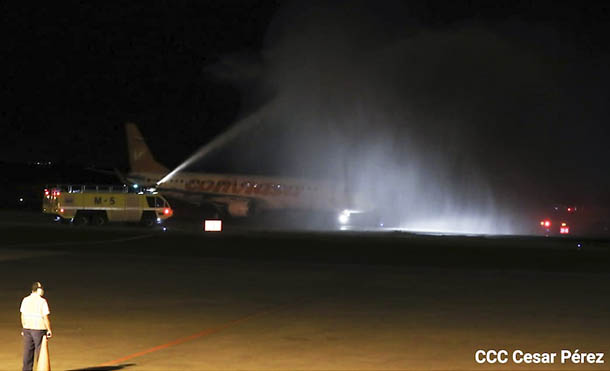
[(244, 188)]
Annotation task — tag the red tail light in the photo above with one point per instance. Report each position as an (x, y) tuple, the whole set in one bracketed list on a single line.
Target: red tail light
[(547, 223), (166, 211)]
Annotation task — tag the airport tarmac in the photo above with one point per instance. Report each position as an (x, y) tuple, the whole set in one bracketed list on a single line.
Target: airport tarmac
[(129, 299)]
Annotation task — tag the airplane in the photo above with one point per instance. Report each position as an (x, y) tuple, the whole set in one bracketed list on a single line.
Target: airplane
[(232, 194)]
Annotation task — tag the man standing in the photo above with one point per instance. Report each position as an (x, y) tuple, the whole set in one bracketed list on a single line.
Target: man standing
[(36, 324)]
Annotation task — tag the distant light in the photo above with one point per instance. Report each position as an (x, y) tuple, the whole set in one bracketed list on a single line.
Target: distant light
[(164, 228), (542, 222), (569, 209), (563, 224), (344, 217), (564, 230), (158, 220), (212, 225), (547, 223), (21, 200), (166, 211), (135, 186), (579, 245), (61, 210)]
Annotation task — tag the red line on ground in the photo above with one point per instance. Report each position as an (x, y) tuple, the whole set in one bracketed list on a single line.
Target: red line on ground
[(200, 334)]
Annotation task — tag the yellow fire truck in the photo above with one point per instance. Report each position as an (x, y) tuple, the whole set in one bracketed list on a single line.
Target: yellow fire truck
[(101, 204)]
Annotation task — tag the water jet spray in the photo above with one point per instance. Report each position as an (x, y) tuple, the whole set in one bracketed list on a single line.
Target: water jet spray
[(236, 129)]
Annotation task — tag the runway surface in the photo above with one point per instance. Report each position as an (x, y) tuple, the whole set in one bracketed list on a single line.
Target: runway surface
[(135, 299)]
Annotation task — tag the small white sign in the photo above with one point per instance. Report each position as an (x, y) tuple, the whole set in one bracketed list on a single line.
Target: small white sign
[(212, 225)]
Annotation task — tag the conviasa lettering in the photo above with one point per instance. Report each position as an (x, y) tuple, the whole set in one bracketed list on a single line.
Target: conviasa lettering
[(245, 188)]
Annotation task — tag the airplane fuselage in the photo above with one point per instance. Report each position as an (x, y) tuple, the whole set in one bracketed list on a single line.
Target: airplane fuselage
[(268, 192)]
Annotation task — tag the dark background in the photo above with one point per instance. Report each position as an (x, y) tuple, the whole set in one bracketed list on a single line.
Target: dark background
[(74, 73)]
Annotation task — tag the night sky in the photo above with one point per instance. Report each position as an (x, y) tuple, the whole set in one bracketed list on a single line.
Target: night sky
[(74, 73)]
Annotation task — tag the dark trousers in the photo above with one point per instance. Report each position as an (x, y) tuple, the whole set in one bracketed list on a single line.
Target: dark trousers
[(31, 345)]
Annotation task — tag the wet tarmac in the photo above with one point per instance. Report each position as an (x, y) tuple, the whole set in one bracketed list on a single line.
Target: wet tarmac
[(136, 299)]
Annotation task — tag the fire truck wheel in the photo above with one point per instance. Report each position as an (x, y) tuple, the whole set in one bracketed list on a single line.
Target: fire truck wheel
[(148, 219), (80, 219), (99, 219)]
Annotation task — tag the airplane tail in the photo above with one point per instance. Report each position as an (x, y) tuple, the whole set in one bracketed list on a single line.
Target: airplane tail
[(140, 158)]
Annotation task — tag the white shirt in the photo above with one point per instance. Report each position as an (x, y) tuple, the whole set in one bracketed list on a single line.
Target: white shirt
[(34, 308)]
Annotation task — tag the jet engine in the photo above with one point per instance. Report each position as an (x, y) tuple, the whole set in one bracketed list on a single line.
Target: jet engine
[(240, 208)]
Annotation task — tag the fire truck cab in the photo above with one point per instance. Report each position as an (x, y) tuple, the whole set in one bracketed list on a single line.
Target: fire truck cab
[(101, 204)]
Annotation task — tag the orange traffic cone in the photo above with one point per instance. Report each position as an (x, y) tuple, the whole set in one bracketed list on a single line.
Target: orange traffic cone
[(44, 362)]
